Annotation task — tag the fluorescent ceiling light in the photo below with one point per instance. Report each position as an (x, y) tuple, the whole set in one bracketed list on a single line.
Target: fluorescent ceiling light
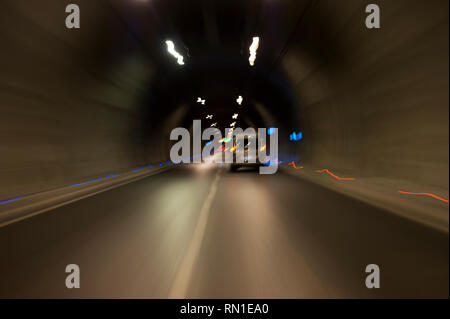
[(172, 51), (253, 48)]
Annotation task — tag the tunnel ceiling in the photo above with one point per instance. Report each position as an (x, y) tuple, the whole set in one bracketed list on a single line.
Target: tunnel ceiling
[(214, 38), (122, 46)]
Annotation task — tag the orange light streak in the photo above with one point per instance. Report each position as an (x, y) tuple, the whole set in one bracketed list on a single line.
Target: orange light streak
[(293, 165), (425, 194), (337, 177)]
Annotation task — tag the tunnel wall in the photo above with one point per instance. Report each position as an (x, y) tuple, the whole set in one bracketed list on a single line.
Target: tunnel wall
[(68, 98), (371, 104)]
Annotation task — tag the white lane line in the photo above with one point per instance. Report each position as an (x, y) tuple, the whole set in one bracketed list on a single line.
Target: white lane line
[(184, 274)]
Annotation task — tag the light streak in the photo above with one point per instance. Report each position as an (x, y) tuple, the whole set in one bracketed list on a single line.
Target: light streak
[(11, 200), (253, 48), (296, 137), (293, 165), (140, 169), (425, 194), (337, 177), (172, 51), (93, 180)]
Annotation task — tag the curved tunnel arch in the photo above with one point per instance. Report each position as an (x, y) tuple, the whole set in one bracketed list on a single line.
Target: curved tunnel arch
[(367, 104)]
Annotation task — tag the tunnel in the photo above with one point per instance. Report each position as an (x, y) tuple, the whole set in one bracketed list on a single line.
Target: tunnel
[(86, 115)]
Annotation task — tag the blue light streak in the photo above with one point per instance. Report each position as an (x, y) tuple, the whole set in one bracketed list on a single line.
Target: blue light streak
[(140, 169), (93, 180), (296, 136), (11, 200)]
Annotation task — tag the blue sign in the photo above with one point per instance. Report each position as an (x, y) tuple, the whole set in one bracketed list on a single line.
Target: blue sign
[(296, 136)]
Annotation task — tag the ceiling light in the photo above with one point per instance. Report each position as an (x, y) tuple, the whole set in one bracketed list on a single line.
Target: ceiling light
[(171, 50), (253, 48)]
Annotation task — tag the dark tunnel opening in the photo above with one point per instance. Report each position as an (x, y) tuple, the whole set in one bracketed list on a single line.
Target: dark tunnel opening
[(219, 79)]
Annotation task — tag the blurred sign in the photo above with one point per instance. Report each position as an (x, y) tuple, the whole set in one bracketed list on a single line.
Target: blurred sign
[(296, 136)]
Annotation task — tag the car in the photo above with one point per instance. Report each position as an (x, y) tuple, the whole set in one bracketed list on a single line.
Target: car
[(250, 161)]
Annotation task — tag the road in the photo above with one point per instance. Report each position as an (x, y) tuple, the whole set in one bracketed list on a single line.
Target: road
[(210, 233)]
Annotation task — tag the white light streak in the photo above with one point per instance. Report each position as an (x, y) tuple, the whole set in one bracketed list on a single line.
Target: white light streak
[(171, 50), (253, 48), (239, 100)]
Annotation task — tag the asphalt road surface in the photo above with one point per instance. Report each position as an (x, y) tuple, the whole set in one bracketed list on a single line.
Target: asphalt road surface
[(211, 233)]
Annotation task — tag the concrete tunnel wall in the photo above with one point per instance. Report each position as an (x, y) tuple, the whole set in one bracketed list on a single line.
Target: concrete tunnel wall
[(374, 102), (68, 104)]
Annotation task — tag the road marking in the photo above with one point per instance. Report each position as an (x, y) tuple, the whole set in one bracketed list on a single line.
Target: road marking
[(184, 274)]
